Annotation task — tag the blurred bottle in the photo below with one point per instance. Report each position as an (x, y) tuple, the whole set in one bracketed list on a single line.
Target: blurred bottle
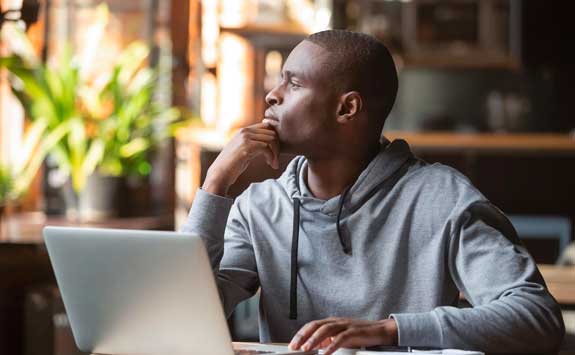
[(506, 112), (495, 108), (516, 109)]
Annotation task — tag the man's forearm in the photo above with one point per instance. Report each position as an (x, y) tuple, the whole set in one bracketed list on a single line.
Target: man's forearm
[(511, 324), (216, 184), (207, 219)]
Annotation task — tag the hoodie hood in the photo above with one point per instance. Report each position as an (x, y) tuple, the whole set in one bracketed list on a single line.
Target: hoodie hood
[(386, 164)]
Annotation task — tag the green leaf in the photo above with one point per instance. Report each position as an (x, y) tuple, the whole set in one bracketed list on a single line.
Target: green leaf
[(32, 139), (6, 183), (31, 83), (113, 167), (48, 144), (62, 158), (93, 157), (134, 147), (131, 58)]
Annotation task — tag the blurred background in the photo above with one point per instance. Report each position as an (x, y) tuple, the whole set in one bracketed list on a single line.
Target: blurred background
[(112, 111)]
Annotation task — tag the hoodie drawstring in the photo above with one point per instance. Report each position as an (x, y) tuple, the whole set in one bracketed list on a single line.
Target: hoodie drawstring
[(343, 239), (294, 266)]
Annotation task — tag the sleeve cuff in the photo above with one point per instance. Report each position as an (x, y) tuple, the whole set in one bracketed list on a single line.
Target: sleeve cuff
[(418, 329), (208, 214)]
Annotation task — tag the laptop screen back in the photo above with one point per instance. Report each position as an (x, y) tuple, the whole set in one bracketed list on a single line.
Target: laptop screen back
[(138, 292)]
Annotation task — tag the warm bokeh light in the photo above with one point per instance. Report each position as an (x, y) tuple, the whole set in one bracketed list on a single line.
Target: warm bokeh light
[(236, 13), (235, 67), (11, 124), (273, 67), (311, 16), (11, 112), (210, 32), (93, 52), (209, 103), (322, 17)]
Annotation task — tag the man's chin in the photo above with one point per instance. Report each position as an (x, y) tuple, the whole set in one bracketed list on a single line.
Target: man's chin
[(289, 148)]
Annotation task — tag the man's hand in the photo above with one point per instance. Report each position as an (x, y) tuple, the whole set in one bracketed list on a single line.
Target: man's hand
[(249, 143), (334, 333)]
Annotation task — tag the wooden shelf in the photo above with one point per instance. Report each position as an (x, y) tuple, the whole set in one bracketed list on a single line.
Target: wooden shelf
[(287, 29), (442, 141), (459, 63), (270, 36), (504, 142), (561, 282)]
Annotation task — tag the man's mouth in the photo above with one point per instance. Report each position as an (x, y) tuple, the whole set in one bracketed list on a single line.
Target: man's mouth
[(268, 115), (271, 121)]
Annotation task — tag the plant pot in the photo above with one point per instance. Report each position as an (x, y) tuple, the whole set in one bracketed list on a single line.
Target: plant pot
[(99, 200), (137, 199)]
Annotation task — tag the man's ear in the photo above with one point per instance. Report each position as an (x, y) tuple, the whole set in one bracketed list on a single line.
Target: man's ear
[(350, 104)]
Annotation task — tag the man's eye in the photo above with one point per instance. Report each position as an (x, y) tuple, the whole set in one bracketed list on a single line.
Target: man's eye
[(295, 85)]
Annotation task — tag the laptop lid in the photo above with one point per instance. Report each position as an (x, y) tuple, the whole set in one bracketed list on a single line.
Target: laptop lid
[(138, 292)]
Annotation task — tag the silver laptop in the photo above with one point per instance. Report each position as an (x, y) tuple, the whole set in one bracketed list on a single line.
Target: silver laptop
[(141, 292)]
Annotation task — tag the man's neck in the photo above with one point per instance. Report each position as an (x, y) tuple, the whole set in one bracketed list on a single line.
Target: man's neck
[(327, 178)]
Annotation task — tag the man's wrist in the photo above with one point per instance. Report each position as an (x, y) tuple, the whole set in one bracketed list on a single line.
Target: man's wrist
[(215, 185)]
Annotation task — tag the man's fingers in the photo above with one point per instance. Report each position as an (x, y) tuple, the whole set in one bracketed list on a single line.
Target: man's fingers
[(343, 339), (357, 336), (305, 332), (266, 131), (325, 343), (271, 139), (260, 137), (260, 148), (322, 333), (270, 123), (334, 333), (259, 128)]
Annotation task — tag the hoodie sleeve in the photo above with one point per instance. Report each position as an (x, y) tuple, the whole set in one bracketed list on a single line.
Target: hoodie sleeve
[(512, 309), (228, 245)]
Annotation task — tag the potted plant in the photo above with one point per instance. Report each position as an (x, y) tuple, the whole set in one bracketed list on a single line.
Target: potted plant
[(105, 129), (126, 123)]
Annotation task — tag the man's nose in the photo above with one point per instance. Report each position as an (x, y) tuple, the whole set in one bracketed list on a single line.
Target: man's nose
[(273, 97)]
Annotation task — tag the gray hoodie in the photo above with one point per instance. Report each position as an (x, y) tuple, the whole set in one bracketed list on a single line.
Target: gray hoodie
[(401, 242)]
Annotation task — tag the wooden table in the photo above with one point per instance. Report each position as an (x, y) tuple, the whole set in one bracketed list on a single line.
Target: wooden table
[(25, 268), (26, 228), (561, 282)]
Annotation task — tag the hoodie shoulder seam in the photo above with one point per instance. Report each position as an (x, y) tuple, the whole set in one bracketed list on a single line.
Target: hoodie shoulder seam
[(454, 173)]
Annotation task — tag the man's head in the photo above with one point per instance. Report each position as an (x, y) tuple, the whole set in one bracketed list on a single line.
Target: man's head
[(337, 87)]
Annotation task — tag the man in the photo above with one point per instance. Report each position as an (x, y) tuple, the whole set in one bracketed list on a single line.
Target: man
[(359, 243)]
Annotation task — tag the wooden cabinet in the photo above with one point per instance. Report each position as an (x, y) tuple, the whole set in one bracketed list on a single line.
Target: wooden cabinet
[(432, 33)]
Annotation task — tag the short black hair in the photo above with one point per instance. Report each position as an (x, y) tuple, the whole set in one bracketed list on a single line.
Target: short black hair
[(361, 63)]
